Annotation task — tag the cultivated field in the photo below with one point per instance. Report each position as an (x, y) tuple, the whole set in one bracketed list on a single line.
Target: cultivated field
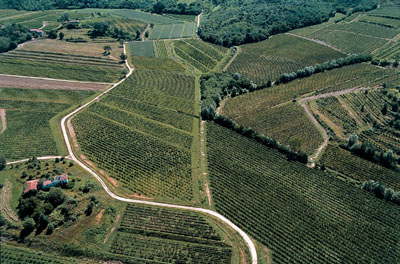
[(266, 112), (302, 215), (154, 107), (169, 236), (142, 48), (173, 31), (34, 83), (268, 59), (28, 114), (200, 55)]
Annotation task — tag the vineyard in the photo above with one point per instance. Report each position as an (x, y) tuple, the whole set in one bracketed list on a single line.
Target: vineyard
[(28, 114), (141, 133), (18, 255), (173, 31), (199, 54), (389, 51), (31, 19), (168, 236), (161, 49), (268, 59), (302, 215), (357, 168), (60, 67), (261, 109), (142, 48), (388, 22), (142, 16), (390, 12)]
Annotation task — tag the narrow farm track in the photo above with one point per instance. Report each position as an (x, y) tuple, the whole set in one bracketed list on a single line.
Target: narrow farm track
[(303, 103), (5, 206), (72, 157), (50, 79), (3, 120)]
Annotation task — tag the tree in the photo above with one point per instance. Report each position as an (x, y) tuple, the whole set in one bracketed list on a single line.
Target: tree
[(61, 35), (55, 197), (52, 34), (352, 140), (107, 50), (2, 163), (384, 109), (29, 226), (158, 7), (50, 229), (89, 209), (124, 72), (123, 57)]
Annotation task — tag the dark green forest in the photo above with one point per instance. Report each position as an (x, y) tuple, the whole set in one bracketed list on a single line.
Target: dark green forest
[(160, 6), (235, 22)]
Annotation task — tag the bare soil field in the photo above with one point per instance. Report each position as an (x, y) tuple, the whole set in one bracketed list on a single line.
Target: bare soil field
[(8, 81)]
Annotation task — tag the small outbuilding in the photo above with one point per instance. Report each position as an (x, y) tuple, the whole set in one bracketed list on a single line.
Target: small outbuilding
[(38, 31)]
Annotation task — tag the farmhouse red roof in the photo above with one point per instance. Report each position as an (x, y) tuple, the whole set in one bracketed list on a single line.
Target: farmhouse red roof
[(47, 182), (31, 185), (36, 30)]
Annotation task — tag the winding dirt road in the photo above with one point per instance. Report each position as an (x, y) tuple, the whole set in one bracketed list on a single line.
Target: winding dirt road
[(72, 157)]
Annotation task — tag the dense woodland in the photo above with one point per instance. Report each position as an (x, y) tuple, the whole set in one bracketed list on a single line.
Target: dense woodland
[(162, 6), (237, 22), (12, 35)]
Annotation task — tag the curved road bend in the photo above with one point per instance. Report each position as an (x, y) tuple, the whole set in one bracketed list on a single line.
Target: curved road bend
[(71, 156)]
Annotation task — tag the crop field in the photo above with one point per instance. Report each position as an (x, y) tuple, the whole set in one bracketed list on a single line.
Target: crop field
[(390, 51), (59, 67), (198, 54), (357, 168), (140, 133), (305, 31), (31, 19), (28, 115), (258, 109), (142, 48), (382, 21), (390, 12), (301, 215), (144, 17), (168, 236), (126, 24), (164, 64), (268, 59), (365, 28), (161, 49), (173, 31), (82, 49), (18, 255)]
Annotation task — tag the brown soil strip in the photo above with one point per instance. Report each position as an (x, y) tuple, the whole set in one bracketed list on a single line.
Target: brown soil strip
[(5, 205), (266, 256), (139, 196), (113, 228), (7, 81), (3, 120), (99, 216), (208, 194), (72, 134)]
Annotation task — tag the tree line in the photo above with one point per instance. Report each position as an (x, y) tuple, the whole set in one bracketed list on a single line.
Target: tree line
[(12, 35), (381, 192)]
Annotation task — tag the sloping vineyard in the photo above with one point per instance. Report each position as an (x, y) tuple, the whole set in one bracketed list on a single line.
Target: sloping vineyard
[(168, 236), (268, 59), (142, 48), (302, 215), (140, 133)]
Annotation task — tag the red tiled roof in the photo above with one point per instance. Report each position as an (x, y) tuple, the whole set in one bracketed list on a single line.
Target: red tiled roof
[(31, 185), (36, 30), (47, 182)]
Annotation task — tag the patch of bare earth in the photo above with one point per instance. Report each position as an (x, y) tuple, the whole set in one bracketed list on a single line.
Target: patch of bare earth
[(5, 205), (99, 216), (113, 228), (208, 194), (7, 81), (3, 120), (72, 134), (139, 196), (267, 256), (242, 257)]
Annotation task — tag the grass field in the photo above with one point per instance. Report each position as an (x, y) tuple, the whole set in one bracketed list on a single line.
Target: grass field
[(169, 236), (144, 17), (357, 168), (265, 109), (154, 107), (28, 115), (268, 59), (302, 215), (142, 48)]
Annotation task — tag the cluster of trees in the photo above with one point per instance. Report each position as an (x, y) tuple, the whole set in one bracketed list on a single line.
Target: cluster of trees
[(12, 35), (237, 22), (327, 66), (159, 6), (381, 191), (101, 29), (385, 63), (217, 86), (368, 151)]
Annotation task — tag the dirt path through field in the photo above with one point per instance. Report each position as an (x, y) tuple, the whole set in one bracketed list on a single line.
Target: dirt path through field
[(5, 205), (203, 161), (143, 35), (113, 228), (3, 120), (198, 21), (303, 103)]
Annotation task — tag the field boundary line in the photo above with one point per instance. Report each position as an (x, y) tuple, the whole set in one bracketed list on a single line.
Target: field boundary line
[(3, 120), (51, 79), (317, 41)]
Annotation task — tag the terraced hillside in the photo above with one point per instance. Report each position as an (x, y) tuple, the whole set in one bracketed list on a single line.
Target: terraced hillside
[(268, 59), (28, 114), (155, 107), (302, 215)]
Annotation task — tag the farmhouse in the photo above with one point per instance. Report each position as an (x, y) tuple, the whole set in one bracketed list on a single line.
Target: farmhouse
[(31, 185), (38, 31)]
